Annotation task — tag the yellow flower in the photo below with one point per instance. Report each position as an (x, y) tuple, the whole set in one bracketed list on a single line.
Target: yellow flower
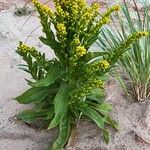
[(111, 9), (104, 64), (59, 10), (81, 3), (24, 48), (43, 9), (75, 42), (140, 34), (61, 29), (87, 16), (95, 6), (105, 18), (34, 1), (133, 37), (116, 7), (80, 51)]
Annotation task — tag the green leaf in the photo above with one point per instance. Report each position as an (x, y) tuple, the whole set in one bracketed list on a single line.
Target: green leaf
[(97, 95), (60, 104), (104, 108), (106, 136), (64, 131), (53, 74), (103, 78), (51, 42), (93, 115), (56, 46), (28, 116), (110, 121), (50, 114), (31, 116), (33, 95)]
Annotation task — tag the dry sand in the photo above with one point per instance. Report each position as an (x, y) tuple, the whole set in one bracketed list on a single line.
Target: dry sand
[(134, 118)]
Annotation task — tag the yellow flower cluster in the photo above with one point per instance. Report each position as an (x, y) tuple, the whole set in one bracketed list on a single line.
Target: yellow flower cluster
[(75, 42), (95, 6), (133, 37), (88, 86), (80, 51), (97, 83), (92, 83), (104, 64), (60, 12), (87, 15), (24, 48), (111, 9), (103, 21), (138, 35), (61, 30), (116, 7), (105, 17), (74, 10), (97, 66), (43, 9), (81, 3)]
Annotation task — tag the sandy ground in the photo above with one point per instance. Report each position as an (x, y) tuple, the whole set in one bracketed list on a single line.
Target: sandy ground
[(134, 118)]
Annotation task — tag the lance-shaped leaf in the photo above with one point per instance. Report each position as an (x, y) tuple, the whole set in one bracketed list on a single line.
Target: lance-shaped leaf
[(60, 104), (53, 74), (104, 108), (91, 113), (56, 46), (106, 136), (110, 121), (28, 116), (31, 116), (51, 42), (64, 131), (33, 95), (97, 95)]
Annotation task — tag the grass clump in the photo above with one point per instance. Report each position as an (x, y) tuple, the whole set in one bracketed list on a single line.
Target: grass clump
[(135, 65)]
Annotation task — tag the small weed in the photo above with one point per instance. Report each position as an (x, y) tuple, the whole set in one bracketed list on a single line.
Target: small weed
[(22, 11)]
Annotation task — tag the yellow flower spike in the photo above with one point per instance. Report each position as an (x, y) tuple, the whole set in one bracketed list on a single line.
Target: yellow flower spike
[(133, 37), (43, 9), (140, 34), (24, 48), (110, 10), (105, 18)]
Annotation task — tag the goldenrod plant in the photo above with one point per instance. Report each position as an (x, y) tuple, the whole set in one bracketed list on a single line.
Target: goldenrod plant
[(135, 75), (72, 85)]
